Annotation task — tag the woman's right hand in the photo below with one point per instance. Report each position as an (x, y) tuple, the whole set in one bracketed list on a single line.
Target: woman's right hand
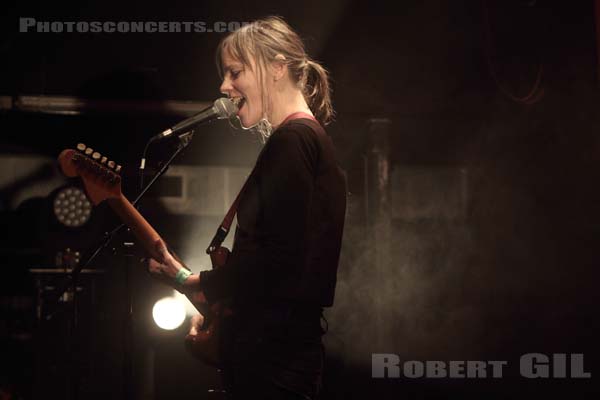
[(196, 323)]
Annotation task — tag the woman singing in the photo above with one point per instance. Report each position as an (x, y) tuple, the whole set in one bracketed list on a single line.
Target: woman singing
[(282, 268)]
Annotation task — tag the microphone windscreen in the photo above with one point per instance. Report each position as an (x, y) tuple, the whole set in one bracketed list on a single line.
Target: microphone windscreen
[(225, 108)]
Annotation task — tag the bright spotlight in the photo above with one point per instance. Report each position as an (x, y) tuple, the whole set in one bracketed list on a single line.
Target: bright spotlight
[(168, 313)]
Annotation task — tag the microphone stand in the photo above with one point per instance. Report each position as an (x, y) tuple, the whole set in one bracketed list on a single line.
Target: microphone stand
[(71, 281)]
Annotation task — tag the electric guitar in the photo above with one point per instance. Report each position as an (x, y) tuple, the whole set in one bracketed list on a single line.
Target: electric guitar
[(102, 181)]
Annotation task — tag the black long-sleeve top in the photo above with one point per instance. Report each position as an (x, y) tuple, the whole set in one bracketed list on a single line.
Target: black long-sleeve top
[(290, 222)]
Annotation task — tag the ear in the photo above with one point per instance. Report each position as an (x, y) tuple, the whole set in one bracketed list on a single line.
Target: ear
[(279, 67)]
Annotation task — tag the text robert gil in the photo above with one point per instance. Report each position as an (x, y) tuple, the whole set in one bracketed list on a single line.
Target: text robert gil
[(531, 365)]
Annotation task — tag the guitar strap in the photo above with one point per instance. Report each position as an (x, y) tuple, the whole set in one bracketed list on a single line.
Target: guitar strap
[(227, 221)]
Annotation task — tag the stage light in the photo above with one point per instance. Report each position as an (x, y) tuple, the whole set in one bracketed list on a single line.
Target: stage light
[(168, 313), (72, 207)]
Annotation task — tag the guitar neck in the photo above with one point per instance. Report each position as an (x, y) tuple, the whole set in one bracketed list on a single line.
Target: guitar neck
[(150, 239), (103, 182), (142, 230)]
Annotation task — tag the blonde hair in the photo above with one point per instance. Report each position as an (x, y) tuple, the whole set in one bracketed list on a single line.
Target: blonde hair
[(263, 40)]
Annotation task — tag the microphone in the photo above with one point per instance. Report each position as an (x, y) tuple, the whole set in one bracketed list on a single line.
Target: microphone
[(221, 109)]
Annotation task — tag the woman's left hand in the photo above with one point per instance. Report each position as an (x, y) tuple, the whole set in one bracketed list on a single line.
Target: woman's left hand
[(167, 267)]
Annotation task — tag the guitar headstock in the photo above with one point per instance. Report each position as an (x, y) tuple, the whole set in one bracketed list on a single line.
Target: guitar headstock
[(100, 176)]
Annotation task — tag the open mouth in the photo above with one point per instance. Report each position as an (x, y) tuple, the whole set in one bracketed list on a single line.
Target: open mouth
[(239, 102)]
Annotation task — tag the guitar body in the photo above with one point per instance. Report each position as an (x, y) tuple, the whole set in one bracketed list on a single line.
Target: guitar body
[(102, 181)]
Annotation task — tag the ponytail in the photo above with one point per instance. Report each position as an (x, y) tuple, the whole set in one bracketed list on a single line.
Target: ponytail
[(317, 92)]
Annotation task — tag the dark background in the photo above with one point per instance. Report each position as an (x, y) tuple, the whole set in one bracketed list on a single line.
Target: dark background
[(494, 213)]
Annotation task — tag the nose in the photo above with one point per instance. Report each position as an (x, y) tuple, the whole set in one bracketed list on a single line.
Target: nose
[(226, 87)]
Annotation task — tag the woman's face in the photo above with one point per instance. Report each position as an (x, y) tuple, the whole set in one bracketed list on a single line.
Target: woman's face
[(242, 81)]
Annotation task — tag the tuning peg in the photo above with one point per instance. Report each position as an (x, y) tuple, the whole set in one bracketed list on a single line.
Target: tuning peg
[(96, 156), (111, 164), (103, 161), (118, 169), (81, 147), (89, 151)]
